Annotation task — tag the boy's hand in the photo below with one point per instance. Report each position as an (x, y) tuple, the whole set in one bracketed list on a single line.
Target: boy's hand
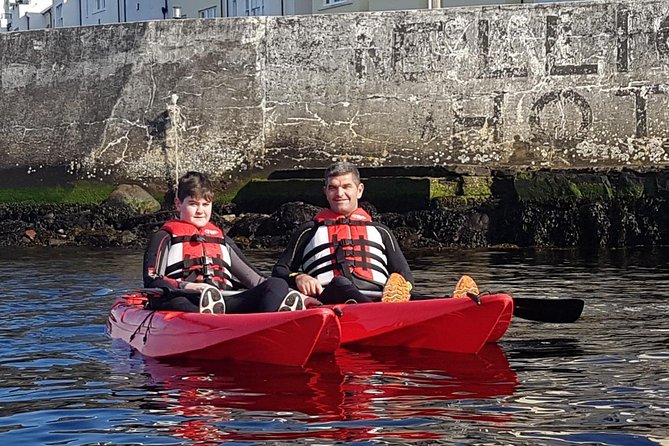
[(308, 285), (196, 286)]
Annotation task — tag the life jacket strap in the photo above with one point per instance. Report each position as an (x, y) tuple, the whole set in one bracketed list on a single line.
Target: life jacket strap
[(197, 238)]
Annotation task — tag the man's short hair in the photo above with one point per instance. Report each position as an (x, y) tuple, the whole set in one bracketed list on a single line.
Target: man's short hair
[(342, 168), (195, 185)]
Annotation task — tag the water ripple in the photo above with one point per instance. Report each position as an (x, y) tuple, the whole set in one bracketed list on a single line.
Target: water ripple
[(603, 380)]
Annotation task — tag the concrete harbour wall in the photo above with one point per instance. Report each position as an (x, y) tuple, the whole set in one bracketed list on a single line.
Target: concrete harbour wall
[(565, 86)]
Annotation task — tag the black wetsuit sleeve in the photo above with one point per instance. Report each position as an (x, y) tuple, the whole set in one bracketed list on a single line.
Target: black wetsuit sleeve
[(155, 261), (291, 259), (242, 270), (397, 263)]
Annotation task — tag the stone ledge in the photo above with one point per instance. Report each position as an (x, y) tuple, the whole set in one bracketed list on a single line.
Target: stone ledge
[(388, 194)]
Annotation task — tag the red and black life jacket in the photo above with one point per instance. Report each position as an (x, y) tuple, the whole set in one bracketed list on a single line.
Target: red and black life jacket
[(197, 255), (349, 246)]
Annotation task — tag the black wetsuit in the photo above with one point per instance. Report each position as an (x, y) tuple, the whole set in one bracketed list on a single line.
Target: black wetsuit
[(262, 294), (340, 289)]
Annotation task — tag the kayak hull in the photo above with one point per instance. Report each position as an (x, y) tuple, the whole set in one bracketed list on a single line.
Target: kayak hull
[(449, 325), (503, 323), (285, 338)]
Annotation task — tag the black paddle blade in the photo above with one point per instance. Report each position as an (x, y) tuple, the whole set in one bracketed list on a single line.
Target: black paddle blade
[(548, 310)]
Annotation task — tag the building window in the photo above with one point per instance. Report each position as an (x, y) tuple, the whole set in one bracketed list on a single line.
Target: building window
[(99, 4), (255, 7), (333, 2), (207, 13), (59, 15)]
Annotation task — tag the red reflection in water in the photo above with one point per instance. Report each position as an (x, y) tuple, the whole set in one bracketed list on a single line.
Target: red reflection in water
[(331, 391)]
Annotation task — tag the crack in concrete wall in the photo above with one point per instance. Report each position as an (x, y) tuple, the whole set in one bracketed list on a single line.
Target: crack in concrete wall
[(549, 85)]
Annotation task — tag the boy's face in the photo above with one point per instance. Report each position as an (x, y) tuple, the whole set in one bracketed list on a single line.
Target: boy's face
[(196, 211), (343, 193)]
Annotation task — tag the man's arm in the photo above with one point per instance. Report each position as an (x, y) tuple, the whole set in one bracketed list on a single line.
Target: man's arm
[(289, 265), (397, 263), (290, 261)]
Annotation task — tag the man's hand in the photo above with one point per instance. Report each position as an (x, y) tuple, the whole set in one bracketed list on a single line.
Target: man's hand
[(308, 285)]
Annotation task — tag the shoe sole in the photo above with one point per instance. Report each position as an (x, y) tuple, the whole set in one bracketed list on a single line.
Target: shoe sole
[(396, 289), (211, 302), (292, 302), (465, 286)]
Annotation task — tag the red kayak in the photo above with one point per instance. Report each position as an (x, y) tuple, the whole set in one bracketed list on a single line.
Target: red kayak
[(450, 325), (286, 338), (502, 323)]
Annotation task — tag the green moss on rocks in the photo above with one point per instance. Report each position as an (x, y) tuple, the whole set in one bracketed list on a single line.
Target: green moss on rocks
[(476, 186), (545, 187), (81, 192), (440, 187), (630, 186), (596, 191), (458, 202)]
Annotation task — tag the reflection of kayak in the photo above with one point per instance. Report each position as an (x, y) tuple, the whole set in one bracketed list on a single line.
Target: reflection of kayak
[(450, 325), (420, 378), (362, 385), (286, 338)]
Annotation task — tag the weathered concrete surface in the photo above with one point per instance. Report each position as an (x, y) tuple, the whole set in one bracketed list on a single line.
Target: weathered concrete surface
[(550, 85), (95, 99)]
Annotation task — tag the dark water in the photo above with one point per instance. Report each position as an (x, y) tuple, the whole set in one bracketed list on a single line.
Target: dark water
[(601, 381)]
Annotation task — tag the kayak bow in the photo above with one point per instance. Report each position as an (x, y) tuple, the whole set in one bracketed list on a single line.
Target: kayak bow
[(452, 325), (286, 338)]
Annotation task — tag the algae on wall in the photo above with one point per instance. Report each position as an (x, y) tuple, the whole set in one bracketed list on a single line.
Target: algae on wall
[(81, 192)]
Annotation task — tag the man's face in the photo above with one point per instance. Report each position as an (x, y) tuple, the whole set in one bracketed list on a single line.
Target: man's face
[(196, 211), (343, 194)]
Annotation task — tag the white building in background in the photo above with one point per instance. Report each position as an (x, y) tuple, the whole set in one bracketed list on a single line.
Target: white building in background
[(5, 15), (237, 8), (17, 15), (337, 6), (20, 15), (97, 12)]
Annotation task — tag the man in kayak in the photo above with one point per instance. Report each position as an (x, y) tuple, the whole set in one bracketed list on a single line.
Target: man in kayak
[(192, 261), (342, 251)]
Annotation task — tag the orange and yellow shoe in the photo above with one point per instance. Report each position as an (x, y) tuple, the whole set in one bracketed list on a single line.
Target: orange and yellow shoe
[(465, 285), (396, 289)]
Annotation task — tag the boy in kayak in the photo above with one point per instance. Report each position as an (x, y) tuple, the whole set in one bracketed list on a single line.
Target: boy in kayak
[(192, 260), (342, 251)]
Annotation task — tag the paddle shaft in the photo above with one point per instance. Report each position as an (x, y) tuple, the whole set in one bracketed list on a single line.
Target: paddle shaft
[(530, 308)]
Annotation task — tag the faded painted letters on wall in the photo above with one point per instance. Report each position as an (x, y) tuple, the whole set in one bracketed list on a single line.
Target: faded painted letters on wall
[(552, 85)]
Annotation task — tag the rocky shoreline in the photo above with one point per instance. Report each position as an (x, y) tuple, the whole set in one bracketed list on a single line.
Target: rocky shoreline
[(471, 223), (590, 209)]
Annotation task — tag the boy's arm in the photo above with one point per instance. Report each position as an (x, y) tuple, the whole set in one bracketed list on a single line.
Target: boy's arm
[(242, 270), (155, 257)]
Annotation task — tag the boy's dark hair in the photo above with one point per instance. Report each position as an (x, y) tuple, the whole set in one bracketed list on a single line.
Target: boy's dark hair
[(195, 185), (342, 168)]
